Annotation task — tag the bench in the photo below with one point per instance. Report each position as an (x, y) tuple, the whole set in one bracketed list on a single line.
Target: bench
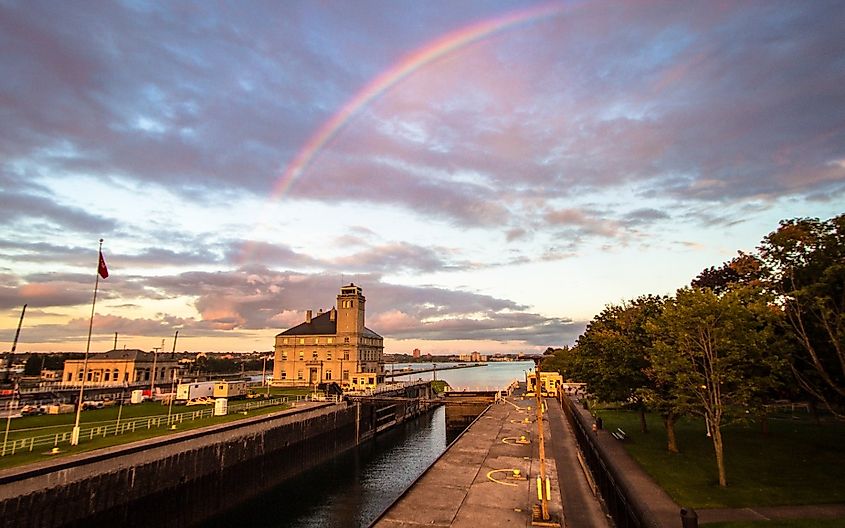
[(619, 434)]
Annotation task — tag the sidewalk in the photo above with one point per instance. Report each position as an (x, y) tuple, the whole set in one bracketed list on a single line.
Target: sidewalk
[(665, 512)]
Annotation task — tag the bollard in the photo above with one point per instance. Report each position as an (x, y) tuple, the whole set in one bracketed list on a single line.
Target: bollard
[(689, 519)]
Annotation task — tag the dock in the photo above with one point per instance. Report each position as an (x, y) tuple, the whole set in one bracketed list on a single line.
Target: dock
[(488, 476), (411, 372)]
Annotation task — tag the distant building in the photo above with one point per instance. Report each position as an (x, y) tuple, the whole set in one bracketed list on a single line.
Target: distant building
[(416, 353), (475, 356), (550, 382), (334, 346), (118, 367)]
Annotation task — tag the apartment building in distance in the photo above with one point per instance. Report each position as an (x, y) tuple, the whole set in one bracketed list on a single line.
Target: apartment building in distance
[(333, 346)]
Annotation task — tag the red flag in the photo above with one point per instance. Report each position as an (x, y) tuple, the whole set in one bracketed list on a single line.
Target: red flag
[(101, 268)]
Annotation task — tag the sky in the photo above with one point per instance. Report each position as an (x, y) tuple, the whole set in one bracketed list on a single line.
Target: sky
[(492, 174)]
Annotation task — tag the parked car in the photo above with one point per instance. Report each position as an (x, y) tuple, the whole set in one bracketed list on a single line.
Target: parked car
[(31, 410)]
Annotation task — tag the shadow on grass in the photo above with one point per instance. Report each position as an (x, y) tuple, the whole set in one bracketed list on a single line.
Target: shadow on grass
[(797, 462)]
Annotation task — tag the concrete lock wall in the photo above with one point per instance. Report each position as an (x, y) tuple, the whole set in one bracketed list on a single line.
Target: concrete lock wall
[(180, 479)]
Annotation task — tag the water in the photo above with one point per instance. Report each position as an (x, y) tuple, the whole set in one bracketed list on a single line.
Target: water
[(495, 375), (354, 488)]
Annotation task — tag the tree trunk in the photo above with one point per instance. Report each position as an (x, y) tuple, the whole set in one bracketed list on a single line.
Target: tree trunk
[(671, 439), (643, 424), (720, 455)]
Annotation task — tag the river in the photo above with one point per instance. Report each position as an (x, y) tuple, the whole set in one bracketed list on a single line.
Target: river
[(352, 489)]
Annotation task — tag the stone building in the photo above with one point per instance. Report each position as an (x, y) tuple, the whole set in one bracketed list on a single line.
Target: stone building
[(333, 346), (118, 367)]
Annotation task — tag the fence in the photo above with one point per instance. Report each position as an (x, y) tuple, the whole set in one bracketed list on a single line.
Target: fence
[(620, 508), (11, 447)]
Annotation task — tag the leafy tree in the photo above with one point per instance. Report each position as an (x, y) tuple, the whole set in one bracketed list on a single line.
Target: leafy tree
[(741, 271), (805, 264), (612, 352), (560, 360), (713, 356)]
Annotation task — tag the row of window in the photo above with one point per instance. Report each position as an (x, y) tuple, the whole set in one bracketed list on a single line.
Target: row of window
[(328, 374), (314, 355), (114, 375), (327, 341)]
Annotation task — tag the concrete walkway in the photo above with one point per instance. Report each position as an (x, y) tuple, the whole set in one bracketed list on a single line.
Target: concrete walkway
[(472, 484), (581, 507)]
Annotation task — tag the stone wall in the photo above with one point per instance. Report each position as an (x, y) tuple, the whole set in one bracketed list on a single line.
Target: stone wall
[(180, 479)]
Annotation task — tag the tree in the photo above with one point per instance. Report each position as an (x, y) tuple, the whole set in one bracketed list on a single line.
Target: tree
[(805, 264), (743, 270), (713, 355), (612, 352)]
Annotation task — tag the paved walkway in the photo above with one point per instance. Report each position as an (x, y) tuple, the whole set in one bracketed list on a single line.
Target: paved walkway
[(472, 484)]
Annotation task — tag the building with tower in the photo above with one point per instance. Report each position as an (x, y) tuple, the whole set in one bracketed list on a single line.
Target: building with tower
[(333, 346)]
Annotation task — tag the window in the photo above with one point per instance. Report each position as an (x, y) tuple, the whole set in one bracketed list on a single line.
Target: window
[(331, 340), (329, 356), (345, 354), (301, 355), (284, 356), (299, 374), (346, 374), (89, 377), (285, 341), (147, 375), (301, 340), (284, 375), (106, 377), (314, 355), (116, 375), (345, 339), (328, 374), (69, 376)]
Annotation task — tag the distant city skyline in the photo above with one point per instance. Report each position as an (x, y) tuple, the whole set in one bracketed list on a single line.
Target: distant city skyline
[(491, 173)]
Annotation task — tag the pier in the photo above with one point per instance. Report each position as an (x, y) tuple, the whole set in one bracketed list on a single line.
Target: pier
[(411, 372), (488, 476)]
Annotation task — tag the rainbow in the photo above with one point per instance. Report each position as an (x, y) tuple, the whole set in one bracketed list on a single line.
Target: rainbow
[(434, 50), (405, 67)]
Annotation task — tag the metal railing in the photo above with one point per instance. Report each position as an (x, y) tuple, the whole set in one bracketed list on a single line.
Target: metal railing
[(618, 504), (130, 425)]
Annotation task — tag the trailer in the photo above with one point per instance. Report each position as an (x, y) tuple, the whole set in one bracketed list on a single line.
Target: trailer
[(231, 389), (194, 390)]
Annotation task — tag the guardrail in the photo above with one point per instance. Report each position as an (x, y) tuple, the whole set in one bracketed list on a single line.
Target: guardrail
[(130, 425)]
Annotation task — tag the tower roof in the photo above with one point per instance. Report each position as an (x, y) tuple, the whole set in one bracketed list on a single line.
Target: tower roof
[(322, 324)]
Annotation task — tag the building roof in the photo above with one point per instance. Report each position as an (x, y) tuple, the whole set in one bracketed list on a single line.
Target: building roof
[(127, 354), (322, 324)]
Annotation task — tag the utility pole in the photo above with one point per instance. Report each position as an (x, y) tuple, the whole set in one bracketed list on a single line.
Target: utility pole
[(153, 377), (9, 360)]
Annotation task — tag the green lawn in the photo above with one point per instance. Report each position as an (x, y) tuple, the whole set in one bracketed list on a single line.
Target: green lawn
[(29, 426), (798, 462)]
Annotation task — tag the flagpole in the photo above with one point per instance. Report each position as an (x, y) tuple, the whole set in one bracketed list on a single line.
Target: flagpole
[(74, 435)]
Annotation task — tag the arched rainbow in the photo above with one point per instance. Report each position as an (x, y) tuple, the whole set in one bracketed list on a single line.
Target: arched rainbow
[(431, 52), (405, 67)]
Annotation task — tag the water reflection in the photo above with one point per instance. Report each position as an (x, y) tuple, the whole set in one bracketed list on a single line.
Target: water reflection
[(351, 489)]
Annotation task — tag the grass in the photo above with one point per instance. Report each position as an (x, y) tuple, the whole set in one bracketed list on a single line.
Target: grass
[(791, 523), (794, 464), (29, 426)]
